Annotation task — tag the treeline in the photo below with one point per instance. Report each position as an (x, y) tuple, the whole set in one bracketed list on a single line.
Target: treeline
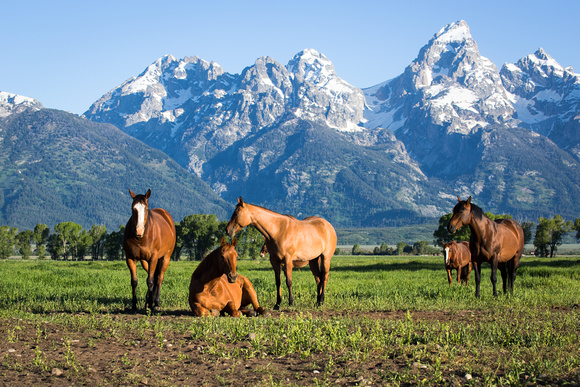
[(417, 248), (549, 233), (196, 236)]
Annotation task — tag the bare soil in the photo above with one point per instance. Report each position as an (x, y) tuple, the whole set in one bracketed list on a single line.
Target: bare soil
[(43, 353)]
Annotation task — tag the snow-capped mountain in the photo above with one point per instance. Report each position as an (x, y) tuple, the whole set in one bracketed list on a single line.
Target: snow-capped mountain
[(13, 103), (547, 98), (300, 139)]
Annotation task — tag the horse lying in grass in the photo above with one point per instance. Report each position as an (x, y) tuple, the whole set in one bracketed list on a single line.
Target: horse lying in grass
[(457, 256), (216, 288)]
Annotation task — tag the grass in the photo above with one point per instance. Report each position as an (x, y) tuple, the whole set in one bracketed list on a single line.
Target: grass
[(387, 320)]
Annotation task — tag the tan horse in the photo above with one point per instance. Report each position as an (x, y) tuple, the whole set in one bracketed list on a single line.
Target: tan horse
[(216, 288), (295, 264), (457, 256), (149, 238), (499, 242), (289, 240)]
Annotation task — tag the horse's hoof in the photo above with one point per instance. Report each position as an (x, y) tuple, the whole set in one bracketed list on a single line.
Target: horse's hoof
[(276, 307)]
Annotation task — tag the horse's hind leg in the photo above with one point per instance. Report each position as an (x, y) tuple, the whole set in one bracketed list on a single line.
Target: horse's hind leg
[(511, 272), (320, 269), (159, 275), (504, 275), (477, 270)]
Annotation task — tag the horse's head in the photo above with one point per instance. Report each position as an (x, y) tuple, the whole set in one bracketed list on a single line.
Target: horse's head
[(140, 212), (461, 215), (240, 218), (228, 259), (447, 248)]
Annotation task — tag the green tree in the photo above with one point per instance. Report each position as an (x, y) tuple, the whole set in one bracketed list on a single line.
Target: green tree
[(356, 249), (420, 248), (200, 234), (114, 245), (250, 242), (83, 243), (401, 246), (67, 234), (576, 227), (40, 237), (7, 239), (98, 234), (549, 235), (23, 240), (527, 227)]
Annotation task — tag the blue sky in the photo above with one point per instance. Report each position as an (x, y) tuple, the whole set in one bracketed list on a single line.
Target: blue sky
[(67, 54)]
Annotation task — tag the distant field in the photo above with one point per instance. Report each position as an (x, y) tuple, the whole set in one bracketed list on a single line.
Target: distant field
[(387, 320)]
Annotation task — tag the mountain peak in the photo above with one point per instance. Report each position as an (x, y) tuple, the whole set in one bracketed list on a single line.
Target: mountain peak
[(453, 33), (14, 103)]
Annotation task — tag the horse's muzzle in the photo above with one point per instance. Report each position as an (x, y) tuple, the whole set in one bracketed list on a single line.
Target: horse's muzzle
[(232, 278), (451, 228)]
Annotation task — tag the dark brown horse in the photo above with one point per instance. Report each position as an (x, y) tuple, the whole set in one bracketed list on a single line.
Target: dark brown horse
[(457, 256), (216, 287), (499, 242), (290, 242), (149, 238)]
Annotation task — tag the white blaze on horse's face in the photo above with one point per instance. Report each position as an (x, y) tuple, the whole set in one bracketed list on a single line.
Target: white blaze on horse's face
[(446, 253), (140, 208)]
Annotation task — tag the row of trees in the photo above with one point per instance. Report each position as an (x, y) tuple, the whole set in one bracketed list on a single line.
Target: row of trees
[(549, 233), (417, 248), (196, 236)]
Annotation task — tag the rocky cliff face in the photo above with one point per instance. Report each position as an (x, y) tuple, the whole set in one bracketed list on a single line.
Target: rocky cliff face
[(547, 98), (300, 139)]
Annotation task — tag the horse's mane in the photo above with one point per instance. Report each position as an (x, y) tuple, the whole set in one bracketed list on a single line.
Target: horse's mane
[(270, 211), (477, 212), (205, 263)]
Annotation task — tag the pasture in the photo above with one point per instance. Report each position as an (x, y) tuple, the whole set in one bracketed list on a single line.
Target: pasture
[(386, 321)]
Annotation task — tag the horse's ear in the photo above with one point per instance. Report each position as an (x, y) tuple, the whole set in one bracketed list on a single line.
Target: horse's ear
[(223, 241), (459, 199), (132, 194), (240, 201), (469, 200), (234, 242), (148, 194)]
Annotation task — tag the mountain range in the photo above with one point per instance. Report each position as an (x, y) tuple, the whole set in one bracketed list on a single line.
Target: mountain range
[(301, 140)]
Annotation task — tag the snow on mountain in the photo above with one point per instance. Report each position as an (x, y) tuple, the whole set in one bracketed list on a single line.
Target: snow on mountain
[(546, 97), (13, 103)]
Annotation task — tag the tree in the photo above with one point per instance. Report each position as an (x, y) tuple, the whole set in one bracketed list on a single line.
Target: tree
[(23, 240), (114, 244), (98, 235), (7, 237), (84, 242), (527, 227), (356, 249), (250, 242), (576, 227), (200, 234), (421, 247), (40, 236), (400, 248), (549, 235), (67, 234)]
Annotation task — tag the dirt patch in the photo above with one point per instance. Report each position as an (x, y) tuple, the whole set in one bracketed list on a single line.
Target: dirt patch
[(45, 353)]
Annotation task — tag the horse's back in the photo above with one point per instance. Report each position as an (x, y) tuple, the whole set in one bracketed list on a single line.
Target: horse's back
[(326, 233)]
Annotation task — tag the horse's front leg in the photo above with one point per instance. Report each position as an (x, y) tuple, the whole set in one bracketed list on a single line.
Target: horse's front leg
[(275, 262), (151, 285), (159, 275), (493, 277), (511, 271), (133, 270), (449, 277)]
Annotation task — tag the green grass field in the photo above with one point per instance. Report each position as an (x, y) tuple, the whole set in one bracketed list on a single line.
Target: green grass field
[(387, 320)]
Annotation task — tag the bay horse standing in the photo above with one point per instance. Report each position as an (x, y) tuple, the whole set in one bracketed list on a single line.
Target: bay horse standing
[(290, 243), (216, 287), (150, 239), (499, 242), (457, 256)]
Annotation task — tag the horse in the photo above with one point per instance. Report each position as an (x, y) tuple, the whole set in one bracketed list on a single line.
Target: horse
[(149, 238), (216, 288), (457, 256), (499, 242), (289, 242)]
